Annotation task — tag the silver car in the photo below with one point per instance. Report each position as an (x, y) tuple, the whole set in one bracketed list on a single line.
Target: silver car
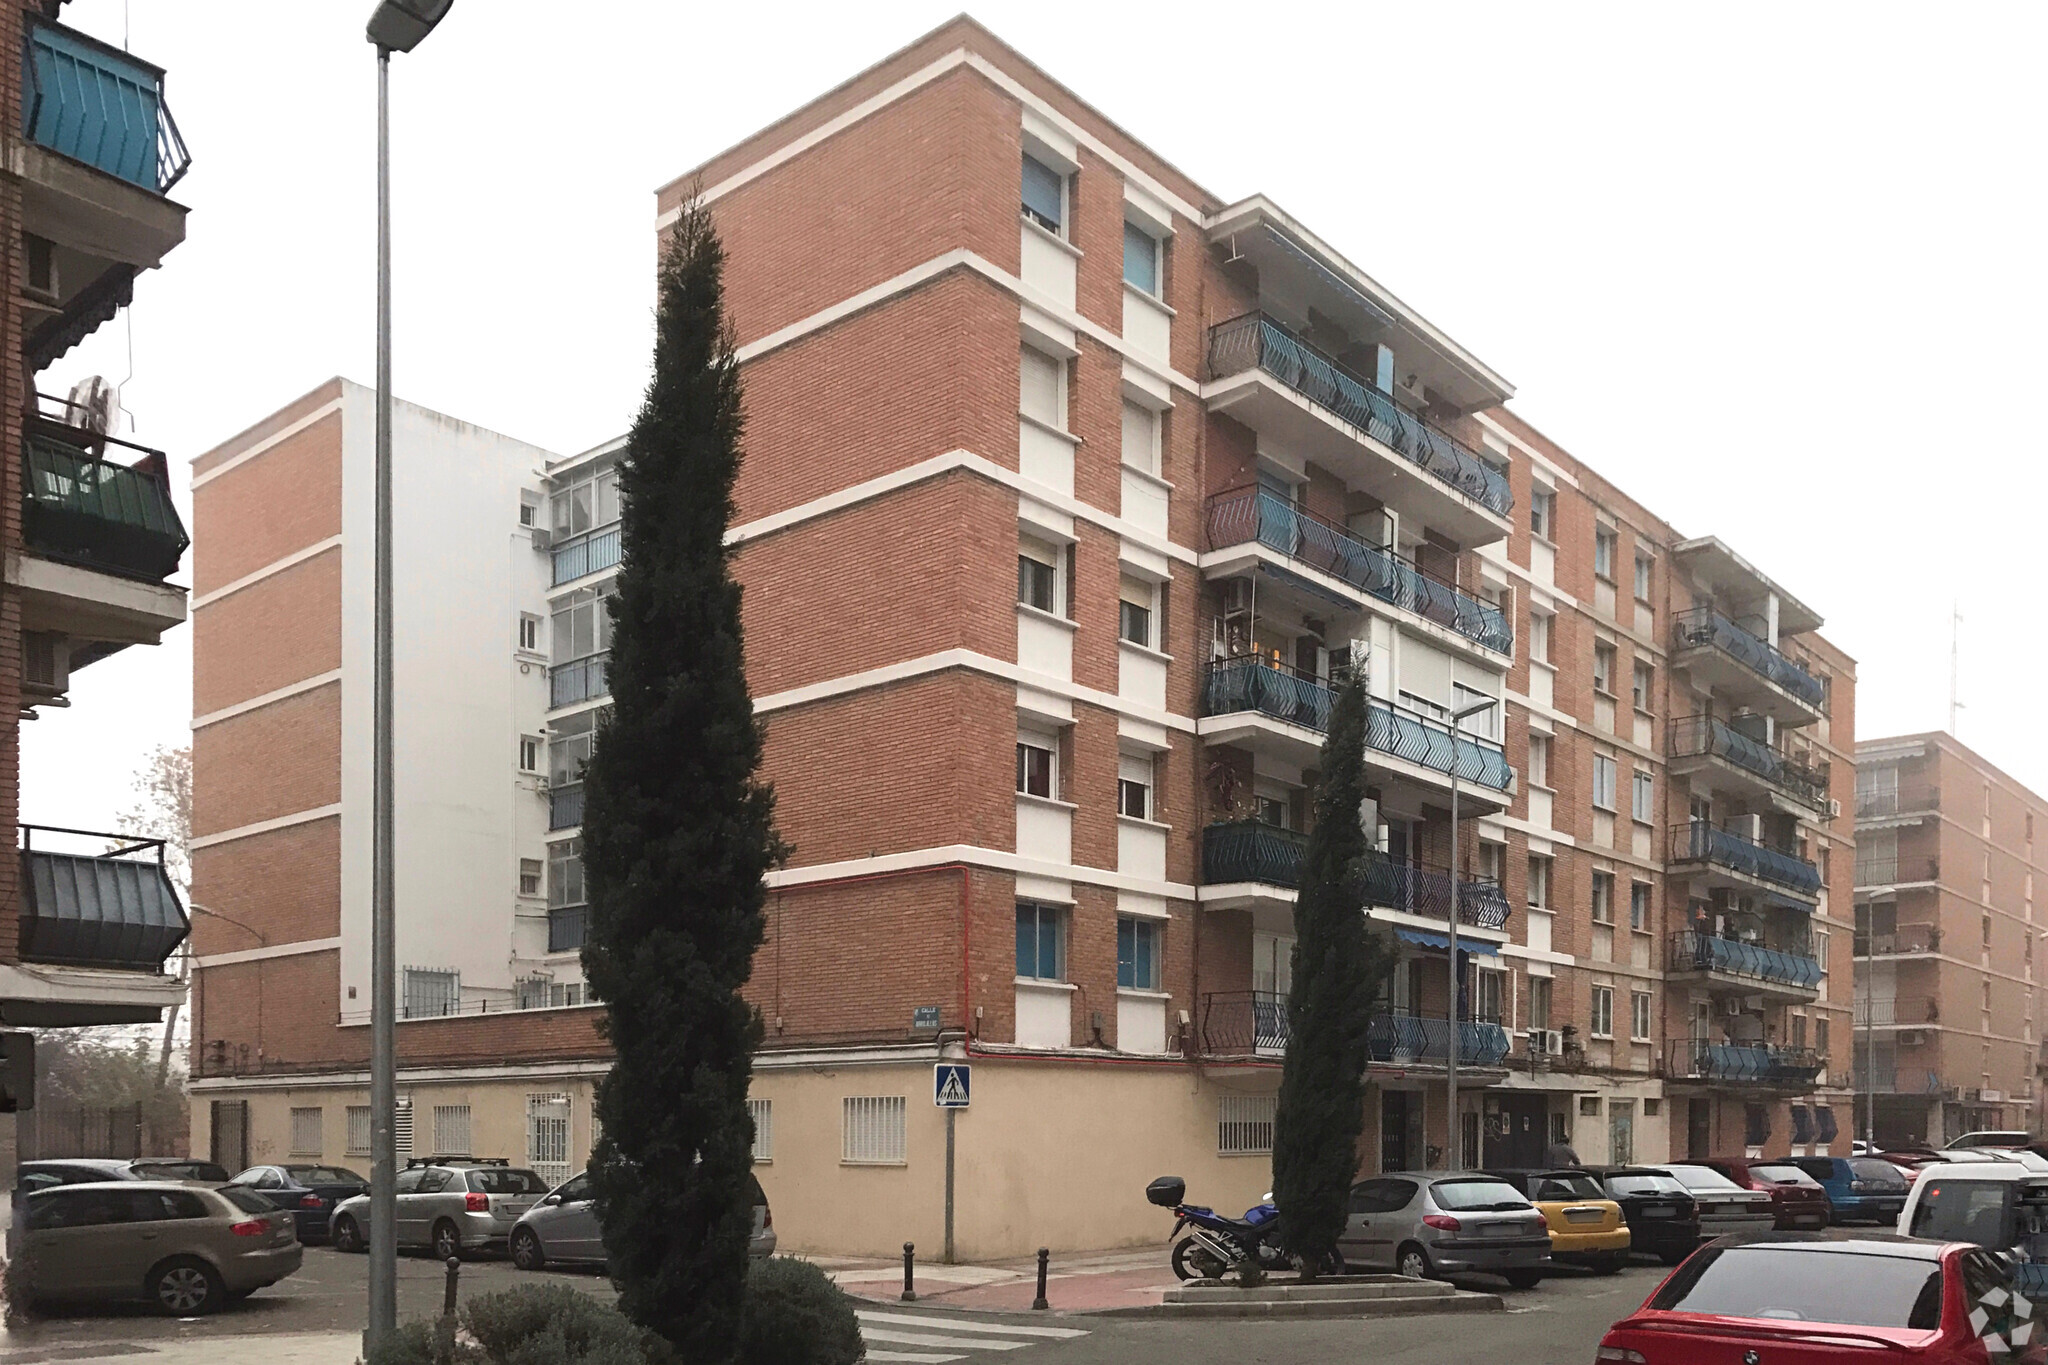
[(563, 1227), (1423, 1223), (449, 1204), (186, 1250), (1725, 1207)]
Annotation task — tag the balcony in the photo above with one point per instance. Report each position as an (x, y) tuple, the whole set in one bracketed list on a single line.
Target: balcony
[(1913, 1012), (1254, 683), (1418, 889), (578, 680), (83, 509), (1886, 803), (567, 926), (565, 806), (592, 552), (1897, 869), (1433, 744), (1746, 765), (1244, 1024), (1251, 851), (1258, 516), (1746, 862), (1890, 1079), (1784, 973), (1263, 374), (1403, 1040), (1903, 941), (115, 909), (94, 103), (1764, 1066), (1741, 666)]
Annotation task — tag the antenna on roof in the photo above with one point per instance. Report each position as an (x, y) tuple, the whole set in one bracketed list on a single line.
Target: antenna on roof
[(1955, 645)]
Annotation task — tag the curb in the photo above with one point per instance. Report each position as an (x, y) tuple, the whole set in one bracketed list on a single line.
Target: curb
[(1460, 1302)]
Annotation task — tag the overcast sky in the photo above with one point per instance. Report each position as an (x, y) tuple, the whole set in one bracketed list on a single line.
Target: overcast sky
[(1774, 269)]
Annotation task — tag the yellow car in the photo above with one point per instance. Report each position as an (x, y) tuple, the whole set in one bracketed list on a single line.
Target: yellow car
[(1586, 1227)]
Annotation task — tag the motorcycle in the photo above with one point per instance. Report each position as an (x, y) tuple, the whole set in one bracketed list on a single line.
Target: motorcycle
[(1216, 1245)]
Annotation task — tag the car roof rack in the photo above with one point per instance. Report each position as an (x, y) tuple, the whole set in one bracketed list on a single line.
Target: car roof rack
[(413, 1162)]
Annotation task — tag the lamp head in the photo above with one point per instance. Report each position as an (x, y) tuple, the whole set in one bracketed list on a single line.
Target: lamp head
[(399, 25)]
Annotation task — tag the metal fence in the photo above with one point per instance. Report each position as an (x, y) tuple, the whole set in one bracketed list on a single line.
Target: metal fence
[(1699, 842), (1434, 744), (1693, 951), (121, 1132)]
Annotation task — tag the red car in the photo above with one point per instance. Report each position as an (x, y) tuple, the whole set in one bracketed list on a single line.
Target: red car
[(1796, 1197), (1819, 1298)]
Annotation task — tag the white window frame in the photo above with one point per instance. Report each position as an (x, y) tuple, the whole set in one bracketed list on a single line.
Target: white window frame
[(1244, 1124), (1050, 745), (1643, 796), (529, 753), (1606, 658), (762, 1112), (1543, 513), (1541, 624), (1604, 775), (1639, 1016), (1140, 770), (549, 1130), (1642, 684), (1645, 571), (307, 1139), (529, 632), (1606, 545), (1640, 907), (1603, 1012), (1540, 751), (533, 876), (426, 976), (1541, 869), (1059, 916), (871, 1130), (1142, 927), (1047, 555)]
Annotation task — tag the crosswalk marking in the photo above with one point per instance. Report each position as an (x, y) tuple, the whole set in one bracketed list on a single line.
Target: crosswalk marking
[(929, 1339), (951, 1324), (953, 1334), (911, 1357)]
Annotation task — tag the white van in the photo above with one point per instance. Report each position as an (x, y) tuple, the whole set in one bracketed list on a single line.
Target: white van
[(2001, 1206)]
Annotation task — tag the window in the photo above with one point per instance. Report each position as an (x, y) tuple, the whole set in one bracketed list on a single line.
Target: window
[(451, 1130), (1137, 954), (1481, 722), (582, 626), (1539, 1002), (1820, 1039), (529, 632), (547, 1137), (1543, 513), (1489, 994), (1141, 259), (590, 502), (1604, 542), (1639, 905), (1643, 566), (1134, 611), (1986, 922), (1041, 942), (1603, 898), (1603, 1011), (1799, 1030), (1539, 635), (528, 513), (529, 754), (1539, 882), (358, 1130), (1045, 195), (1603, 782), (430, 993), (1539, 760), (1603, 668), (1134, 786), (1642, 797), (1141, 437), (306, 1138), (871, 1130), (1244, 1124), (569, 748), (1645, 676), (1034, 768), (563, 994), (762, 1112), (530, 870), (1821, 939), (565, 874), (1041, 389), (1639, 1015), (1038, 574), (1987, 993)]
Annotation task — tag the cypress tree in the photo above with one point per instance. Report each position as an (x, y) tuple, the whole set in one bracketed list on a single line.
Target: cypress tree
[(1338, 967), (678, 832)]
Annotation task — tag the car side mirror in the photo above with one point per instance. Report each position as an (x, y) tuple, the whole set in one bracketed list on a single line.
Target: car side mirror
[(552, 1199)]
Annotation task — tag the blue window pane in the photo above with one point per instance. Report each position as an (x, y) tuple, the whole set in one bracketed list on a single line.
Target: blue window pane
[(1048, 945), (1044, 194), (1147, 971), (1126, 952), (1141, 259), (1027, 940)]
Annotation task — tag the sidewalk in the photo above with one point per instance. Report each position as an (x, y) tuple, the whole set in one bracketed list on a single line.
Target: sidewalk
[(281, 1348), (1076, 1281)]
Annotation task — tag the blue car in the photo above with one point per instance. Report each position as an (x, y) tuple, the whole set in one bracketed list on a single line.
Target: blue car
[(309, 1193), (1861, 1189)]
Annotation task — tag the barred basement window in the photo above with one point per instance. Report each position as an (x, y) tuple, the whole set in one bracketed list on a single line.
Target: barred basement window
[(1244, 1124), (401, 1130), (762, 1112), (358, 1130), (430, 993), (451, 1130), (871, 1130), (547, 1136), (306, 1132)]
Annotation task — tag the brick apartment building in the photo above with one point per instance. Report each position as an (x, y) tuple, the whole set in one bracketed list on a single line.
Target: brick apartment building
[(975, 315), (89, 534), (1945, 942)]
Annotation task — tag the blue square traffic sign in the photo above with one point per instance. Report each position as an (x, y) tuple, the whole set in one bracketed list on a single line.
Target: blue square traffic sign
[(949, 1085)]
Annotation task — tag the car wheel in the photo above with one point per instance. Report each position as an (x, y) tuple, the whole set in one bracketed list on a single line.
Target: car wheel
[(1522, 1279), (347, 1237), (185, 1288), (1411, 1260), (1191, 1262), (447, 1241), (526, 1252)]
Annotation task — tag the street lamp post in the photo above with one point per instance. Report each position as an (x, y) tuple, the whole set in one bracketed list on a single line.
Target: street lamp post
[(1452, 1154), (395, 26)]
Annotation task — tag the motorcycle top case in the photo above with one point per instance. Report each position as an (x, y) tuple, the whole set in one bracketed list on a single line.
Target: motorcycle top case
[(1167, 1191)]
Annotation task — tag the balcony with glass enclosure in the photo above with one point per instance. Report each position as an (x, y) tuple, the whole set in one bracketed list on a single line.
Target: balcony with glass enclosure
[(1743, 669), (1735, 761), (583, 523)]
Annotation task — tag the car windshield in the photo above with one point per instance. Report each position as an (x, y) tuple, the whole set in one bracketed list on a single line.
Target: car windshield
[(1645, 1184), (1784, 1175), (324, 1175), (1850, 1288), (1568, 1185), (248, 1201), (1870, 1168), (1477, 1196), (497, 1180), (1700, 1178)]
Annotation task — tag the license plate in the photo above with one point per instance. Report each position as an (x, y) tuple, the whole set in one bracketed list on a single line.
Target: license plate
[(1502, 1230), (1584, 1216), (512, 1210), (1659, 1211)]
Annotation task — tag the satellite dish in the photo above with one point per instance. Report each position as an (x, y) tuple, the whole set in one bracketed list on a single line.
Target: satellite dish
[(91, 405)]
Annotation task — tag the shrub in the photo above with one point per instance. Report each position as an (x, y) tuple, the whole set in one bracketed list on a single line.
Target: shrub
[(425, 1342), (795, 1315), (557, 1325)]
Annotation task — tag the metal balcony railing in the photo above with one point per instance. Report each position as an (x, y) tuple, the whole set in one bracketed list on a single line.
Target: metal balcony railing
[(565, 806), (591, 552), (1700, 736), (83, 509), (578, 680), (1244, 1023), (1705, 628), (1423, 890), (1699, 842), (1891, 1079), (1256, 341), (94, 103), (1252, 682), (1422, 739), (1252, 851), (1397, 1039), (1896, 869), (1693, 951), (1761, 1064), (1913, 1011), (1258, 514), (1906, 799), (567, 927), (111, 908), (1906, 938)]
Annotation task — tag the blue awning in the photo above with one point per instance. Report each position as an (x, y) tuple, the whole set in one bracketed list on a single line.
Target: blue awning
[(1422, 938)]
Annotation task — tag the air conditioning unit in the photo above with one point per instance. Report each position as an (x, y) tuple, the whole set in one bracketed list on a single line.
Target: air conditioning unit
[(1237, 595), (1834, 808), (1732, 1006), (1912, 1037), (543, 539), (1546, 1042)]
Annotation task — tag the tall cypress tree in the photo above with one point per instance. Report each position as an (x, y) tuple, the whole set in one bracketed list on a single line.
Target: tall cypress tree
[(678, 831), (1338, 967)]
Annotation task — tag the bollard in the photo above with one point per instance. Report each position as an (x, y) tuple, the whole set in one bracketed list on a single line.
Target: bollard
[(448, 1298), (1040, 1302), (909, 1260)]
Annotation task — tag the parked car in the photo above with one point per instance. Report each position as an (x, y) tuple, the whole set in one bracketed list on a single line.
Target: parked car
[(451, 1204), (1818, 1297), (1999, 1205), (1864, 1189), (1797, 1200), (309, 1193), (563, 1227), (1996, 1137), (1663, 1219), (178, 1168), (1422, 1223), (1586, 1227), (185, 1249), (31, 1176), (1725, 1208)]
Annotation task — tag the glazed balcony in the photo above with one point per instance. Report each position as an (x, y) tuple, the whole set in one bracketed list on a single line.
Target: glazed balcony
[(565, 806), (1739, 665), (1244, 1024), (1728, 858), (1747, 766), (579, 680), (1258, 516), (1398, 1039), (1783, 973), (1764, 1066), (1265, 375), (589, 553), (113, 909)]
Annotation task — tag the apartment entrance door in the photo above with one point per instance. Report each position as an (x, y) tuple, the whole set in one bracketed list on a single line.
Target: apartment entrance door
[(1400, 1121), (1517, 1130), (1699, 1129), (1621, 1132)]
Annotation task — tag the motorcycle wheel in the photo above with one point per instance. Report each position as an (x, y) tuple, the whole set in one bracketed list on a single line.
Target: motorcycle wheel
[(1191, 1262)]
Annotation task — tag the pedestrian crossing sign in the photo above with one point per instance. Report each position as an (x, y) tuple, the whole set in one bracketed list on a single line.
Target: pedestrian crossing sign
[(949, 1085)]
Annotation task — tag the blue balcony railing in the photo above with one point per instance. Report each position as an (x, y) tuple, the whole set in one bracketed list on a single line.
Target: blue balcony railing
[(1759, 1064), (1394, 1039), (591, 552), (95, 103), (1244, 1023), (1700, 842), (1252, 682), (1693, 951), (565, 806), (578, 680), (1426, 891), (1256, 341), (1421, 739), (567, 926), (1257, 514), (1702, 736), (1705, 628), (1252, 851)]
